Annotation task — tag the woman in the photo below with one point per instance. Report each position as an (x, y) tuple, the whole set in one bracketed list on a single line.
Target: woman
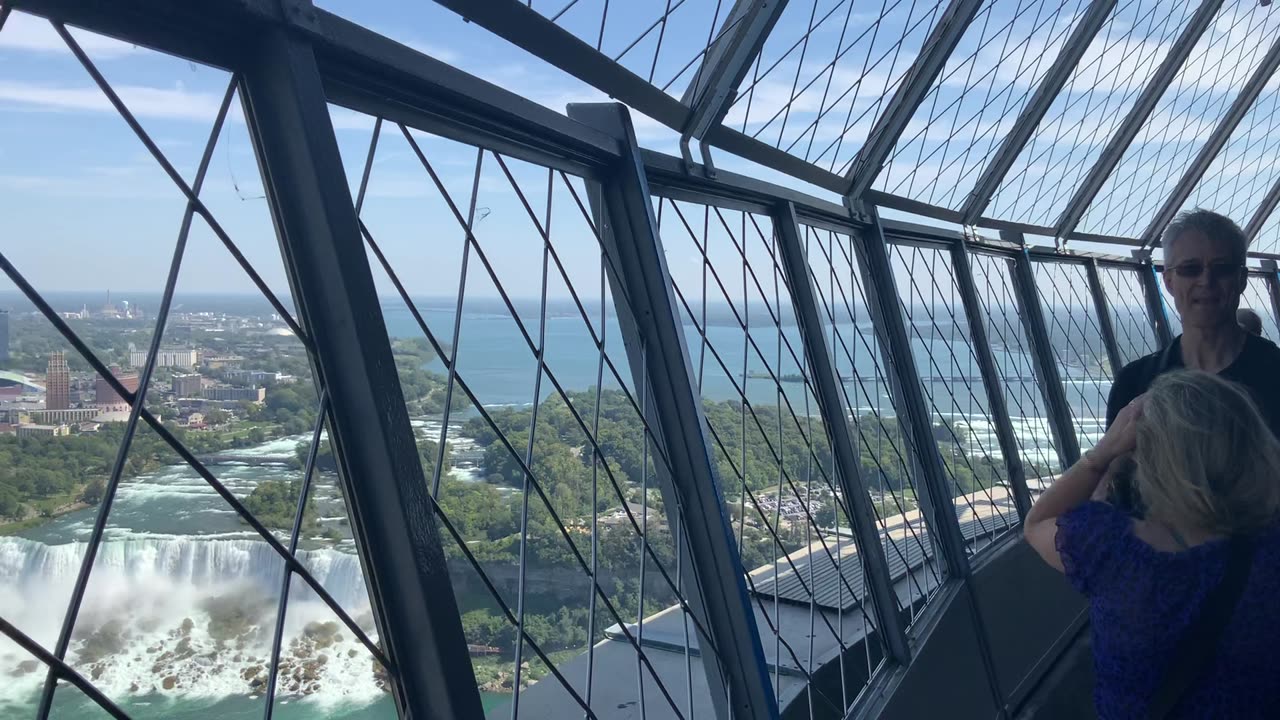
[(1207, 469)]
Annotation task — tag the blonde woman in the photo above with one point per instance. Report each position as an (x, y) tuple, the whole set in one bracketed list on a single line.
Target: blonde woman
[(1184, 602)]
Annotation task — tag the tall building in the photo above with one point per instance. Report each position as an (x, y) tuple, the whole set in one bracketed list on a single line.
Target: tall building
[(106, 396), (57, 383), (4, 336), (187, 386)]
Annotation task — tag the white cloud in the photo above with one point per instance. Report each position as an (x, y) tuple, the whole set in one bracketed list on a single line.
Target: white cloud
[(31, 34), (176, 103)]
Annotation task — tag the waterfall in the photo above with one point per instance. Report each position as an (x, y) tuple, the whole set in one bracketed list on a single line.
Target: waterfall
[(186, 615)]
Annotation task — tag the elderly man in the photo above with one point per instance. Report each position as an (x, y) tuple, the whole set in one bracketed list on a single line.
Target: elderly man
[(1204, 271)]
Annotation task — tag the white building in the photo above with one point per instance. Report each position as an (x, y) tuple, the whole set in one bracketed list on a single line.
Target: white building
[(172, 358)]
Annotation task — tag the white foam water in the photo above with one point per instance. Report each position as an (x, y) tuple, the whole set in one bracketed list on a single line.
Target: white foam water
[(186, 617)]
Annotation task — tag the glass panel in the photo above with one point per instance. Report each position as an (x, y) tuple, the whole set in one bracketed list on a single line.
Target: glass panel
[(551, 488), (1072, 325), (938, 328)]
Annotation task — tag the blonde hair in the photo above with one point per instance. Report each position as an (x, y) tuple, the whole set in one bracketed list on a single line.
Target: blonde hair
[(1205, 457)]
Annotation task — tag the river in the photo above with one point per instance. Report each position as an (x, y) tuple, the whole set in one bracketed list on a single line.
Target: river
[(182, 601)]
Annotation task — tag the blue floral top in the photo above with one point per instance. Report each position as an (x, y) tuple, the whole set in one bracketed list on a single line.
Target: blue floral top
[(1141, 602)]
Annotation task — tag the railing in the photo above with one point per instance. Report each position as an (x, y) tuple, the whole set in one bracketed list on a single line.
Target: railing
[(579, 425)]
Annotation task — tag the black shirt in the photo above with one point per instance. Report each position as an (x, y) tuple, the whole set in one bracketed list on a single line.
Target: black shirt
[(1257, 368)]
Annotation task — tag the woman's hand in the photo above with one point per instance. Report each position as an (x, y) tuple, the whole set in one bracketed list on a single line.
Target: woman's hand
[(1122, 436)]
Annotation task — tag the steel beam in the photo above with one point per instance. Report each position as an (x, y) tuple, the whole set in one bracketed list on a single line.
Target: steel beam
[(725, 64), (526, 28), (1192, 176), (1263, 213), (1273, 287), (392, 514), (1055, 395), (1103, 309), (1137, 117), (1082, 36), (862, 518), (991, 379), (1156, 310), (915, 86), (936, 500), (895, 343), (630, 237)]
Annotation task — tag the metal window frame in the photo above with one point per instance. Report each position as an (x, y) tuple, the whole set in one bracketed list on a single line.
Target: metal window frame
[(884, 135), (937, 505), (1272, 270), (795, 264), (1260, 216), (1050, 88), (1157, 313), (963, 271), (737, 673), (1051, 387), (1217, 140), (723, 67), (1103, 309), (320, 58), (1137, 117), (392, 513)]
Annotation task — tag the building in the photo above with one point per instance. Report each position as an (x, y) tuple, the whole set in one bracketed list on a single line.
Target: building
[(54, 417), (57, 383), (32, 430), (187, 385), (106, 396), (4, 336), (265, 378), (218, 362), (235, 394), (167, 357)]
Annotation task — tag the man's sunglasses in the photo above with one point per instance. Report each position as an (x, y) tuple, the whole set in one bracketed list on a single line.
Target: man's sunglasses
[(1217, 270)]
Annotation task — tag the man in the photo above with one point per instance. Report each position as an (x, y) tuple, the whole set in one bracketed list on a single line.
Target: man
[(1204, 271), (1250, 321)]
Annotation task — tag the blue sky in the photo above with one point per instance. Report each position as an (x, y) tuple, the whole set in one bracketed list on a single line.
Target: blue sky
[(84, 205)]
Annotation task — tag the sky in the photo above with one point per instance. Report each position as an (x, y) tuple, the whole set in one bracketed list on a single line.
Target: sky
[(83, 205)]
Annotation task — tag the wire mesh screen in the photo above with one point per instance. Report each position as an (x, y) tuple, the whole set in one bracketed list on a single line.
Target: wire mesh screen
[(1002, 317), (1268, 238), (1170, 308), (1257, 297), (886, 450), (664, 42), (1245, 168), (938, 326), (1186, 115), (539, 448), (1126, 302), (773, 451), (974, 103), (1093, 103), (174, 530), (825, 74), (1078, 349)]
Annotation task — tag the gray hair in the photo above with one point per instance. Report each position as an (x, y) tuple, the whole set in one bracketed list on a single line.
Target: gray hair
[(1215, 226), (1205, 457)]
